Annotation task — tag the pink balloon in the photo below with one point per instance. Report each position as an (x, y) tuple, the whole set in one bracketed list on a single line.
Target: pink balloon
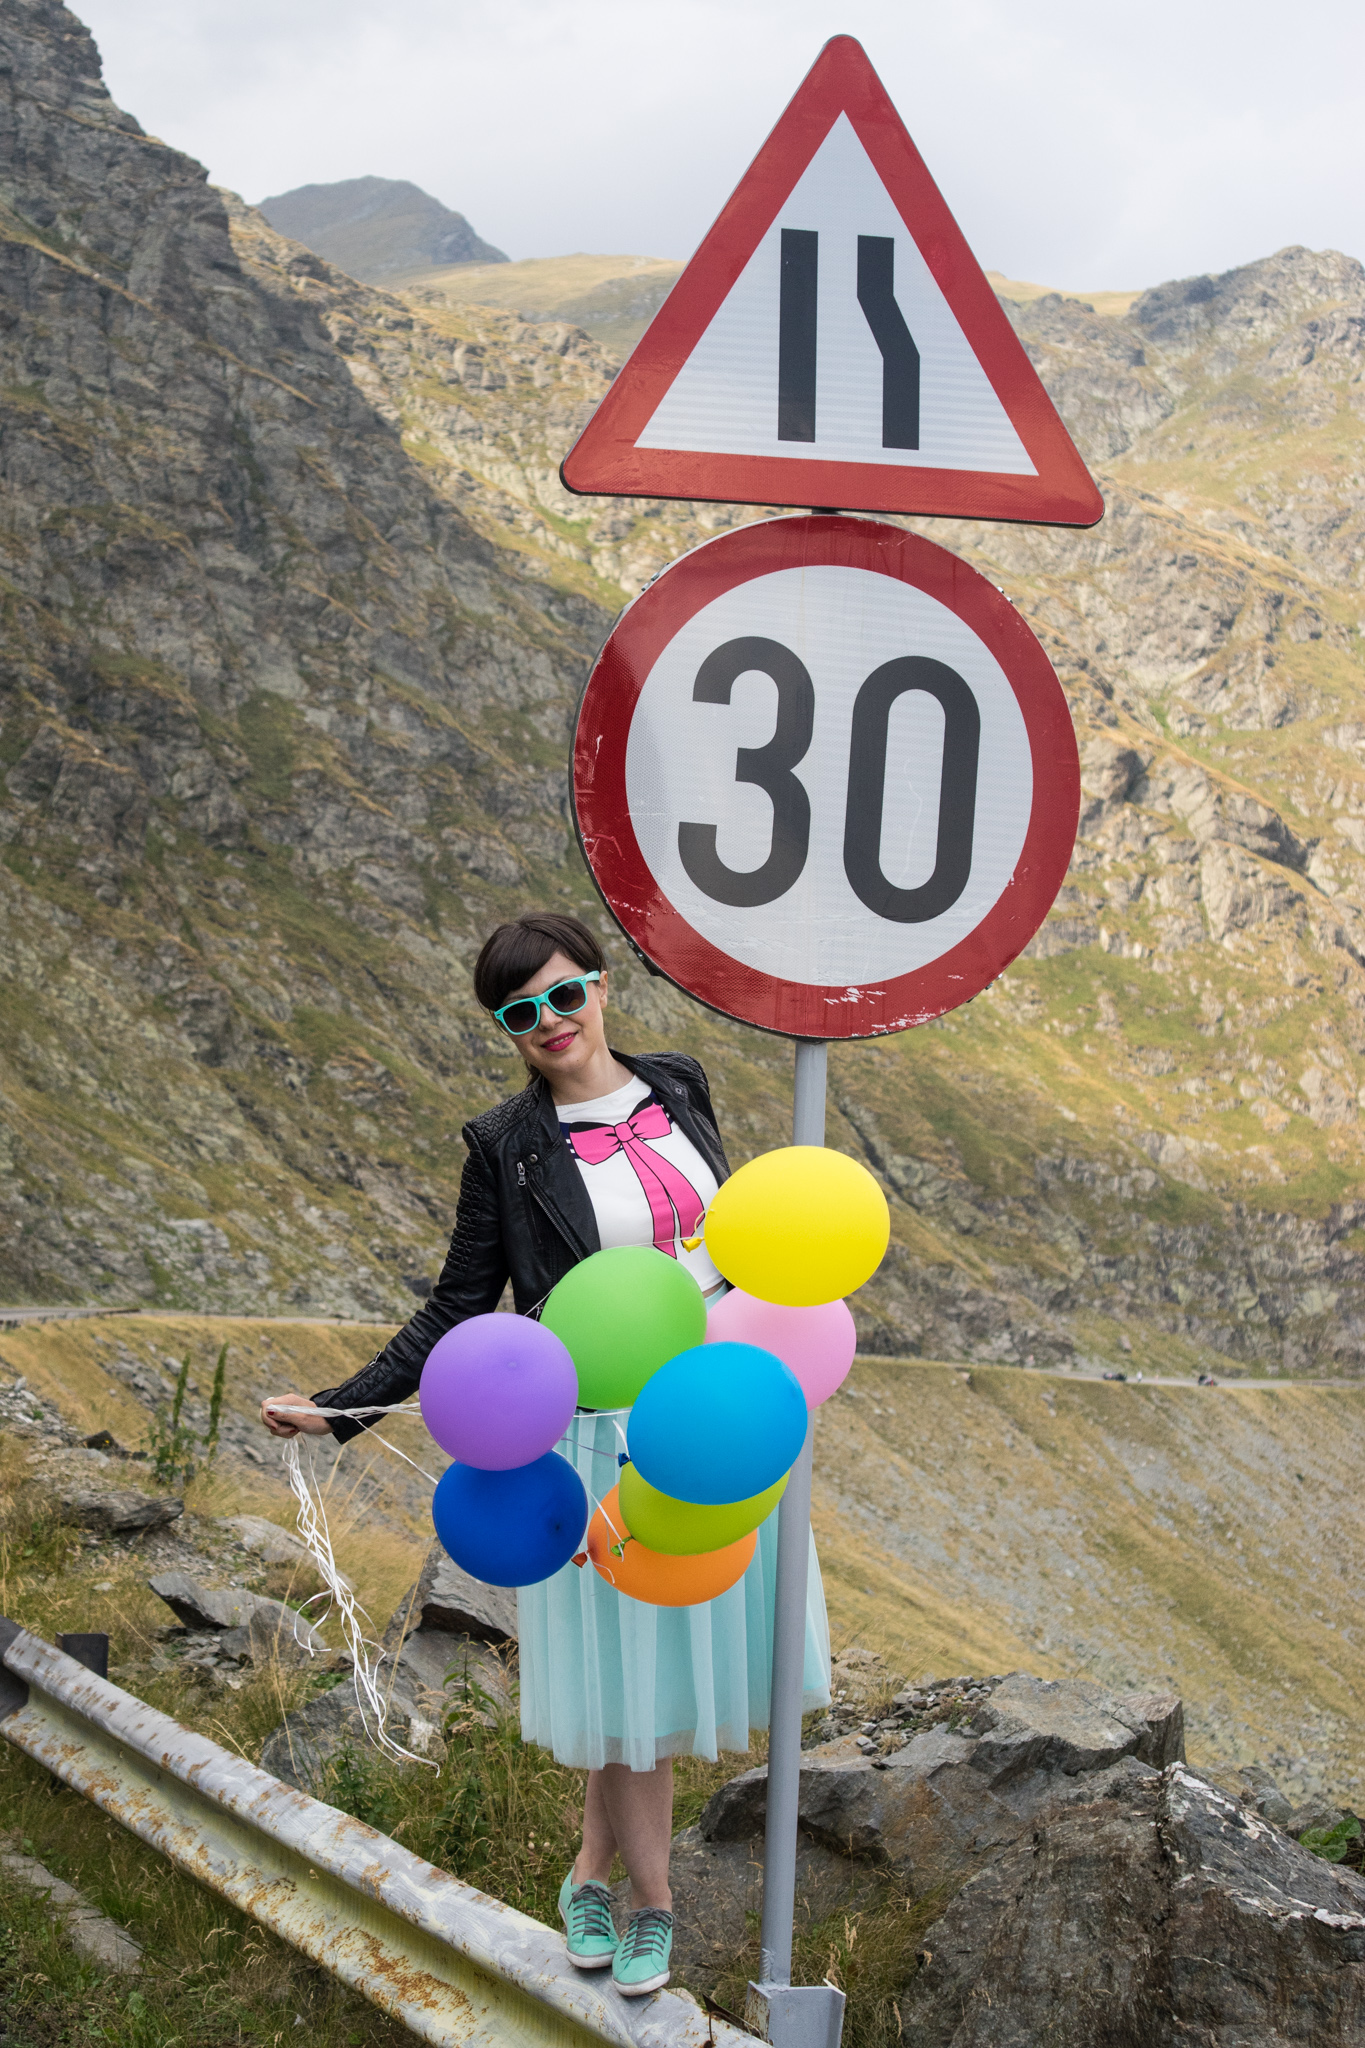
[(498, 1391), (817, 1344)]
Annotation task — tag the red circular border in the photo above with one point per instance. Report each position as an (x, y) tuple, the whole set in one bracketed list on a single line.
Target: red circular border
[(612, 851)]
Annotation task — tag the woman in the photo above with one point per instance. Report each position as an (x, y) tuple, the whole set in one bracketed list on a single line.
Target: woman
[(599, 1149)]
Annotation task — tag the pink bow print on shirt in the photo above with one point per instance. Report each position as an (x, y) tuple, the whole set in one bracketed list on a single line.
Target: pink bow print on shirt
[(667, 1190)]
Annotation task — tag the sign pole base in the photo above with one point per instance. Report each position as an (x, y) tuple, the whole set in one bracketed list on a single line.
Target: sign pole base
[(806, 2016)]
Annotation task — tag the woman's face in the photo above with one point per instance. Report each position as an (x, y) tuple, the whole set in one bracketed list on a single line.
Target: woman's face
[(561, 1047)]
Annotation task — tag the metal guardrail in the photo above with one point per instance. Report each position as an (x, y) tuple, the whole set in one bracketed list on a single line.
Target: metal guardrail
[(454, 1965)]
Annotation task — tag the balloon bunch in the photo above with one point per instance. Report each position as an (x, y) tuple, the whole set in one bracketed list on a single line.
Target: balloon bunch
[(715, 1431), (719, 1407)]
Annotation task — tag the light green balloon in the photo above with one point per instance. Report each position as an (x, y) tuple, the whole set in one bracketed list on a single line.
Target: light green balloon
[(681, 1528), (622, 1314)]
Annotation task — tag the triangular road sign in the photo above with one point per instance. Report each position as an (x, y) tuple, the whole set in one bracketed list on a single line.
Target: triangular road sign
[(834, 342)]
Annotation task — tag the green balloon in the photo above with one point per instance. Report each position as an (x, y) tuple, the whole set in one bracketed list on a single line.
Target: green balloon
[(622, 1314), (680, 1528)]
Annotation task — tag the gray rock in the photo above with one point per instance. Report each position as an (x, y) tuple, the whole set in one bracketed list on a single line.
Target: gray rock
[(433, 1657), (97, 1939), (1260, 1792), (717, 1885), (428, 1660), (1160, 1720), (119, 1511), (431, 1662), (266, 1540), (307, 1743), (1170, 1914), (255, 1627), (1072, 1725), (1313, 1815), (199, 1606), (950, 1799), (449, 1601)]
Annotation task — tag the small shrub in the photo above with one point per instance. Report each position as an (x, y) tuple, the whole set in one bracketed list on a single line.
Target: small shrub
[(177, 1452), (1344, 1842)]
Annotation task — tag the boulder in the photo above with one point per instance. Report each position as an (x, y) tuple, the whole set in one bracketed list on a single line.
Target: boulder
[(431, 1660), (451, 1603), (120, 1511), (1072, 1725), (1259, 1790), (950, 1798), (1170, 1912), (431, 1655), (307, 1743), (266, 1540), (717, 1886), (254, 1626), (449, 1631), (198, 1606)]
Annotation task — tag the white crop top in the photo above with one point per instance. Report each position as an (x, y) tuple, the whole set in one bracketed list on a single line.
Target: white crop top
[(646, 1180)]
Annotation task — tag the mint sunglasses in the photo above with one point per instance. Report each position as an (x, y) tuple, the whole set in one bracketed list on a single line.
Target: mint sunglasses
[(566, 999)]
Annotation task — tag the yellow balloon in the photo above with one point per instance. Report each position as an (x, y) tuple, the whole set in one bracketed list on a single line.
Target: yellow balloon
[(799, 1226), (682, 1528)]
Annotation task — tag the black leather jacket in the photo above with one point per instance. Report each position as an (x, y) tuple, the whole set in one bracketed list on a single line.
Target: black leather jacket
[(523, 1215)]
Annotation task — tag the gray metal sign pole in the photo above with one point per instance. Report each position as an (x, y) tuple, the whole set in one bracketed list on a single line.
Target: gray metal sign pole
[(804, 2016)]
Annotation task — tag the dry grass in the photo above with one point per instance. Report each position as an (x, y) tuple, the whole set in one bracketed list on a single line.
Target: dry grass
[(1202, 1538), (209, 1977), (1112, 304)]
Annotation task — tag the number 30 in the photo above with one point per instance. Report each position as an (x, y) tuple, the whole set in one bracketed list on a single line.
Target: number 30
[(770, 767)]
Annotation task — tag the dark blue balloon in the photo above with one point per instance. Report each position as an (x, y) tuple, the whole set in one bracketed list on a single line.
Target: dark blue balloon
[(511, 1528), (717, 1424)]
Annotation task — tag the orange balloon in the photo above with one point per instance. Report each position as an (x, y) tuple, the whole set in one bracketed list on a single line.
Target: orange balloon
[(649, 1575)]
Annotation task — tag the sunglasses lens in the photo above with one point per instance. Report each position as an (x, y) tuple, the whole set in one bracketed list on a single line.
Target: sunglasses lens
[(520, 1018), (566, 998)]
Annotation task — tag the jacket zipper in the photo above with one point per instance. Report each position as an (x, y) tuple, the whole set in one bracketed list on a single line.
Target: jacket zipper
[(546, 1209)]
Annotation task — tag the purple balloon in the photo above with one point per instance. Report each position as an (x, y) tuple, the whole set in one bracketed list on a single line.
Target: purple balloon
[(498, 1391)]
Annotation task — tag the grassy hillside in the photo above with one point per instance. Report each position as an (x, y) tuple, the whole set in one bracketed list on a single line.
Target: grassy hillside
[(1111, 304), (969, 1520), (1201, 1538), (613, 298)]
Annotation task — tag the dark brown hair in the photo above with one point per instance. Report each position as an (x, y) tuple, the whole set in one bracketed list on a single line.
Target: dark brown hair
[(516, 951)]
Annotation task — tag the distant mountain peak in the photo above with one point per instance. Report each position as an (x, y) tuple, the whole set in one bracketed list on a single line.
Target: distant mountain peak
[(377, 229)]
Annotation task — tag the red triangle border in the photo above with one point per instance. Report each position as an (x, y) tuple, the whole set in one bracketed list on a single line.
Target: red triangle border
[(605, 462)]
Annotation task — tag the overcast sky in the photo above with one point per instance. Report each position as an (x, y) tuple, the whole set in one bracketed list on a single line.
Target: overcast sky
[(1082, 143)]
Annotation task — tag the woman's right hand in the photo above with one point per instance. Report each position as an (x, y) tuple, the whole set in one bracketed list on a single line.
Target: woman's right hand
[(308, 1423)]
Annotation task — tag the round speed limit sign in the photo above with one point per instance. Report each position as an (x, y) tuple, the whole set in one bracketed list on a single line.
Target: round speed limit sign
[(825, 777)]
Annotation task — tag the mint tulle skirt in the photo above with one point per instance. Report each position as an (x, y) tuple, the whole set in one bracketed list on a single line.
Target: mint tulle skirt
[(607, 1680)]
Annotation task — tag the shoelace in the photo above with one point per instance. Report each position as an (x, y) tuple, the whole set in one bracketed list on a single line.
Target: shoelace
[(647, 1932), (590, 1908)]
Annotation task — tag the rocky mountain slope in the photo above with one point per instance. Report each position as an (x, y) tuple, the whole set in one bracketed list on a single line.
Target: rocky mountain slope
[(377, 228), (296, 613)]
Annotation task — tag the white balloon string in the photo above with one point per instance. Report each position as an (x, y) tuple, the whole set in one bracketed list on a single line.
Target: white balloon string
[(399, 1408), (367, 1656), (375, 1439)]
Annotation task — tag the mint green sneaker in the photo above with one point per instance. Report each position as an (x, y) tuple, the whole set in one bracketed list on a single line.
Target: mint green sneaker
[(589, 1930), (641, 1962)]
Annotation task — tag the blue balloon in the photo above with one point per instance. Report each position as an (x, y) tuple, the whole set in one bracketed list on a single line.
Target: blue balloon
[(515, 1527), (717, 1424)]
